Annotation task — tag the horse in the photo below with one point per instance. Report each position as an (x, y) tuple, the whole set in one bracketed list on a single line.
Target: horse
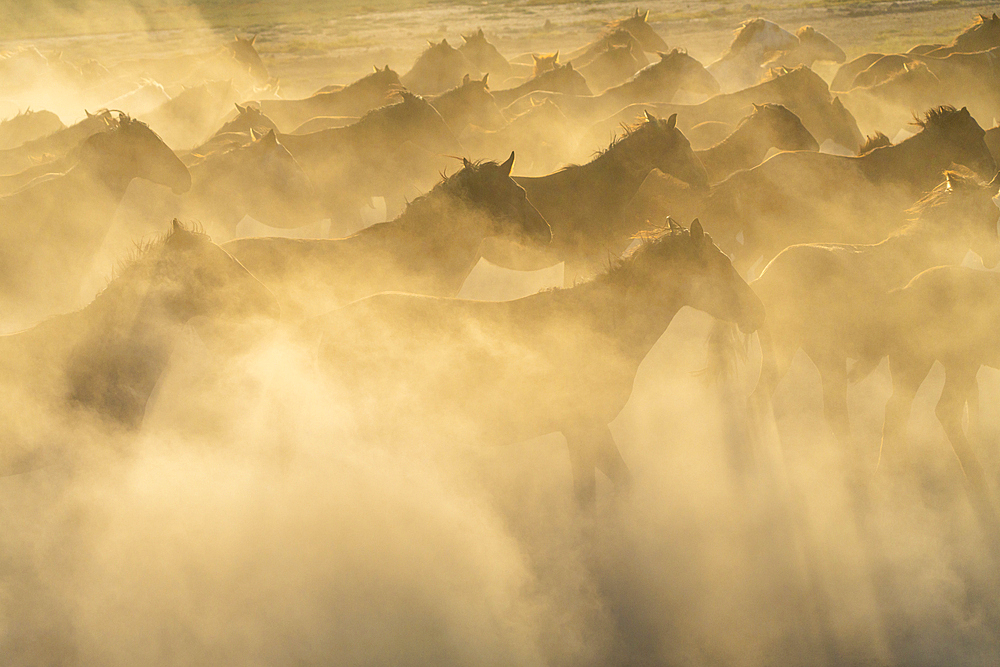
[(346, 164), (86, 376), (658, 82), (27, 126), (429, 249), (983, 34), (559, 79), (54, 145), (800, 90), (559, 361), (439, 68), (260, 179), (367, 93), (614, 66), (832, 300), (636, 25), (50, 230), (970, 79), (946, 314), (543, 138), (888, 105), (469, 104), (613, 38), (813, 46), (992, 140), (756, 41), (481, 53), (584, 204), (769, 126), (234, 132), (816, 197), (191, 116)]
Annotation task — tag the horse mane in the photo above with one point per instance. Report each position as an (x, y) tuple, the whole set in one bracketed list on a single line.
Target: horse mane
[(368, 79), (935, 117), (743, 34), (653, 69), (665, 241), (873, 141), (390, 110), (143, 252), (451, 185), (942, 194)]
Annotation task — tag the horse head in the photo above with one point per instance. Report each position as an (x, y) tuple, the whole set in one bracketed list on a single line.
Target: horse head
[(488, 188)]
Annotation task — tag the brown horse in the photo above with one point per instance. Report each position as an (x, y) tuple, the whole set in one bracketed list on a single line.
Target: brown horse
[(55, 145), (430, 249), (260, 179), (357, 99), (469, 104), (613, 38), (27, 126), (658, 82), (754, 43), (85, 377), (636, 25), (481, 53), (233, 133), (949, 315), (50, 230), (769, 126), (559, 79), (543, 138), (439, 68), (558, 361), (346, 164), (584, 204), (831, 300), (816, 197), (610, 68), (983, 34), (813, 47), (800, 90), (888, 105)]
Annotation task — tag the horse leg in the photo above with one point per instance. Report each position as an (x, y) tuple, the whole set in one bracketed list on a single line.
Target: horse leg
[(907, 376), (765, 440), (833, 371), (958, 385), (593, 448)]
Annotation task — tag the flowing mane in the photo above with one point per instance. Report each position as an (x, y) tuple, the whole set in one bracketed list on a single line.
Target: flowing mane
[(935, 117), (664, 242)]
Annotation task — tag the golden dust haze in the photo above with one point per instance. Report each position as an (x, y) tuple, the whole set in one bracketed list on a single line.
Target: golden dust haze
[(342, 382)]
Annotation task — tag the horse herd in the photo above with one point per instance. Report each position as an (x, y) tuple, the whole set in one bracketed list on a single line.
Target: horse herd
[(856, 248)]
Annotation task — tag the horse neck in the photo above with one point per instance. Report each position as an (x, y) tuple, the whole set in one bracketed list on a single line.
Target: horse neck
[(743, 149), (923, 244), (915, 163), (116, 362), (618, 171), (435, 237), (629, 312), (643, 90)]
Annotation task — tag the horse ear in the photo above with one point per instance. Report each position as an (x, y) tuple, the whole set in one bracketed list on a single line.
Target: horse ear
[(465, 162), (535, 57), (672, 121), (466, 79), (569, 65), (697, 233), (444, 42), (482, 35), (555, 56), (995, 17), (649, 117), (636, 12), (430, 43), (253, 135), (995, 183), (756, 107), (253, 40), (508, 165), (645, 16), (837, 103), (241, 110), (376, 67), (89, 115), (485, 77), (176, 227), (271, 139)]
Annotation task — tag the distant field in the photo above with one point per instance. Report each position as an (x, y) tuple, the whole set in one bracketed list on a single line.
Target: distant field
[(308, 43)]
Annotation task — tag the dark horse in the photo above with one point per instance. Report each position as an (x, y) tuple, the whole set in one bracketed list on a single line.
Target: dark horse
[(430, 249), (585, 204), (49, 231), (558, 361), (86, 376)]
